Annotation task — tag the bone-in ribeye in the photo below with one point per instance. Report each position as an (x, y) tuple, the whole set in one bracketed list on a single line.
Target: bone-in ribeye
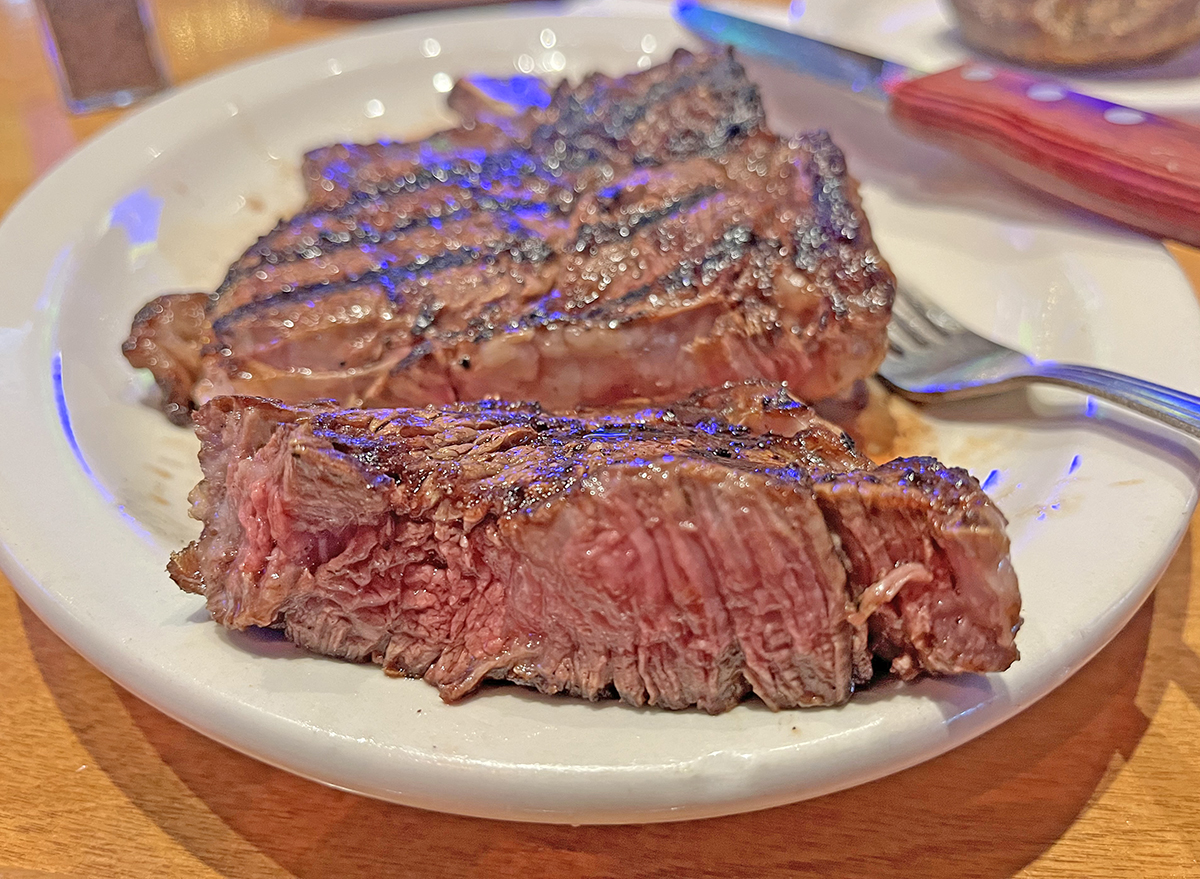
[(633, 237), (673, 557)]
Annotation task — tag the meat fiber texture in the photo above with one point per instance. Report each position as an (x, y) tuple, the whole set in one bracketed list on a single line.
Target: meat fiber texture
[(634, 237), (670, 557)]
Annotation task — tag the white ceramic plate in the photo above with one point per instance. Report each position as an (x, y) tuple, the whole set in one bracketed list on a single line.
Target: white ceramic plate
[(93, 481), (923, 34)]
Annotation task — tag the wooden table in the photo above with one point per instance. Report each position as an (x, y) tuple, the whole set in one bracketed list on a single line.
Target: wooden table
[(1101, 778)]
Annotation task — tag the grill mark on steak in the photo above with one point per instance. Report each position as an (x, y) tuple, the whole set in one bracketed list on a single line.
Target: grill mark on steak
[(599, 120), (494, 222), (670, 555), (640, 236), (581, 126), (312, 238), (691, 277), (277, 342), (472, 183), (598, 300), (395, 278), (593, 235), (379, 262)]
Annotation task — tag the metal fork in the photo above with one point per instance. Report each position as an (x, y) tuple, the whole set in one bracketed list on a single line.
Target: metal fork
[(932, 356)]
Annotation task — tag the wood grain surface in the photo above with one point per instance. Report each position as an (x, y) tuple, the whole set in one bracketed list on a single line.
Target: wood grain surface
[(1099, 779)]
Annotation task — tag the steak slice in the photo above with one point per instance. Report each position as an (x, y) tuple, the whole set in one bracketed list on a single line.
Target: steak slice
[(632, 237), (669, 557)]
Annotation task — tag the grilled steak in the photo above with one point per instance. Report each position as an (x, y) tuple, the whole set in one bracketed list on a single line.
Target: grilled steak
[(670, 557), (632, 237)]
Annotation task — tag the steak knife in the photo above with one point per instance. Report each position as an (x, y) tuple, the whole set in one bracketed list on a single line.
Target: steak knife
[(1129, 165)]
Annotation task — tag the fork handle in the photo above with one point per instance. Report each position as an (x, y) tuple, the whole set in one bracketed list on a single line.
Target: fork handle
[(1173, 407)]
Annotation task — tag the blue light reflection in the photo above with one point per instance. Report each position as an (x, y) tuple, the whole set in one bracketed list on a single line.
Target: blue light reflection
[(139, 214), (64, 417)]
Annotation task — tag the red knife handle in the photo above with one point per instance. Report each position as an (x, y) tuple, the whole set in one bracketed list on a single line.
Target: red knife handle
[(1129, 165)]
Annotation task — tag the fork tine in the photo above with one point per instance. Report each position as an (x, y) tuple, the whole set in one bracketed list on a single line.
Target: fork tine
[(917, 323), (902, 337), (908, 326), (928, 312), (912, 322)]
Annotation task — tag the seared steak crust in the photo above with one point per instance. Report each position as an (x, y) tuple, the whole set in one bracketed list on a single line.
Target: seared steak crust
[(670, 557), (640, 236)]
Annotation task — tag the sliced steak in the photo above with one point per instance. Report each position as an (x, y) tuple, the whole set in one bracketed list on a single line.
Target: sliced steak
[(632, 237), (668, 557)]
